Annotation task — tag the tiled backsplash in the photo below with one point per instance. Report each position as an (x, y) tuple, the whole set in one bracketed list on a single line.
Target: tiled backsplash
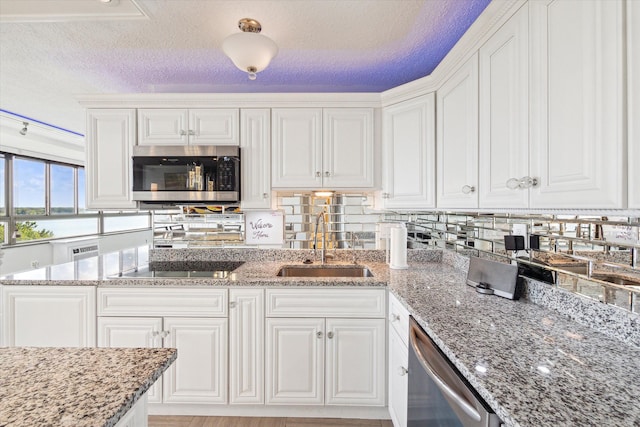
[(585, 253)]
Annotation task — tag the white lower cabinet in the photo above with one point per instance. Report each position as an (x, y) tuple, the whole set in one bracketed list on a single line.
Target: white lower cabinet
[(398, 362), (325, 346), (325, 361), (49, 316), (295, 361), (192, 320), (246, 346), (137, 416), (199, 375), (133, 332)]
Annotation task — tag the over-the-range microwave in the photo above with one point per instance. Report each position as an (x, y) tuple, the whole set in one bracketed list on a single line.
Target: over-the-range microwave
[(174, 174)]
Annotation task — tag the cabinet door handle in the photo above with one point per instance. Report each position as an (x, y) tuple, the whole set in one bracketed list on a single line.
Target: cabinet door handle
[(468, 189), (192, 132), (319, 334), (402, 371), (330, 335), (394, 317), (183, 132), (327, 174), (233, 304), (318, 175), (265, 195), (385, 195)]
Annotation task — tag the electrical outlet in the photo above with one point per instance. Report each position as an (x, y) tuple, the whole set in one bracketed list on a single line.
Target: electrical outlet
[(35, 264), (519, 230)]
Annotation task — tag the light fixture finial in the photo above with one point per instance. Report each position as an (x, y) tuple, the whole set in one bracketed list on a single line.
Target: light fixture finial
[(24, 129)]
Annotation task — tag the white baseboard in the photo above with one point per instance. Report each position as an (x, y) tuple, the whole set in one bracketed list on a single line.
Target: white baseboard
[(362, 412)]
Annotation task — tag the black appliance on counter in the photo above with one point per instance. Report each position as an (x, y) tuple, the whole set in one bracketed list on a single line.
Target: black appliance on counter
[(186, 174)]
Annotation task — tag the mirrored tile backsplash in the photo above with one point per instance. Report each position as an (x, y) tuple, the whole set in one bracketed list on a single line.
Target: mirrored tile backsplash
[(596, 256)]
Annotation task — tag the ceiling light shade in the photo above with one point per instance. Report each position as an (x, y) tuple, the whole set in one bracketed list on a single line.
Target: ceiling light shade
[(250, 51)]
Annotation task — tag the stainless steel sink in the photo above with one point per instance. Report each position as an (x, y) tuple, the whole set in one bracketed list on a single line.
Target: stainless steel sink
[(325, 271)]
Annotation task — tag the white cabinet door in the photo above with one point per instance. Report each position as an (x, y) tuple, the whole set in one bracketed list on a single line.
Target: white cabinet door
[(133, 332), (409, 177), (49, 316), (163, 126), (398, 379), (633, 82), (296, 147), (199, 375), (504, 114), (137, 416), (213, 126), (111, 134), (577, 104), (457, 138), (295, 361), (246, 346), (355, 362), (347, 148), (255, 143)]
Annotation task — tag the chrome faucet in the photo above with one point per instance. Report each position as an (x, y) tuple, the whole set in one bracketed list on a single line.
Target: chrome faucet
[(323, 256)]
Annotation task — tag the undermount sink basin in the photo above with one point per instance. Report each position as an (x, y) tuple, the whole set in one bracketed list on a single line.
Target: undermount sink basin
[(615, 279), (325, 271)]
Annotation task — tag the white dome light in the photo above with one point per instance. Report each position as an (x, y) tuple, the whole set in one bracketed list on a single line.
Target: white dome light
[(250, 51)]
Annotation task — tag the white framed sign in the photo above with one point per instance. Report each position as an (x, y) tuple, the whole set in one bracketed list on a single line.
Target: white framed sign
[(264, 227)]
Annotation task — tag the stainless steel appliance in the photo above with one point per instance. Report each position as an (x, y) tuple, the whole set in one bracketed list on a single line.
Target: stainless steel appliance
[(176, 173), (438, 395)]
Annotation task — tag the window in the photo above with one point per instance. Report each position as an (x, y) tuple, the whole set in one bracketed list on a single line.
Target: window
[(46, 200), (28, 187), (62, 189), (3, 197)]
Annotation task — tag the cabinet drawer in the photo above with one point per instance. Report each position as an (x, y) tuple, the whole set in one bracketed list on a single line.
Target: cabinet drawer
[(399, 318), (162, 302), (326, 302)]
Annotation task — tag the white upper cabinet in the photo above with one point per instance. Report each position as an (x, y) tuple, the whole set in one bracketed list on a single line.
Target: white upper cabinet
[(313, 149), (504, 116), (577, 104), (409, 147), (347, 147), (296, 147), (111, 134), (633, 82), (457, 138), (201, 126), (255, 143)]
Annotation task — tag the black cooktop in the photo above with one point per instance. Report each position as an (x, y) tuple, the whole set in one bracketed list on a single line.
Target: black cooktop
[(186, 269)]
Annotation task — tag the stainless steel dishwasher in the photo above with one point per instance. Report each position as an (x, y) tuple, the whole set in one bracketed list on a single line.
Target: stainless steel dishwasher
[(438, 395)]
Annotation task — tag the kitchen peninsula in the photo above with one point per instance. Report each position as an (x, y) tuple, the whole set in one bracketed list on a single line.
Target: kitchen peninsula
[(92, 387), (532, 364)]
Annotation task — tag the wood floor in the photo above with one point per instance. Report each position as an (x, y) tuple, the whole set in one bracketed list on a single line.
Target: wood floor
[(188, 421)]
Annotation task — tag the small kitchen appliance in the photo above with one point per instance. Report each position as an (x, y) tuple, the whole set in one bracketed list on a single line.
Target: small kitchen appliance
[(491, 277)]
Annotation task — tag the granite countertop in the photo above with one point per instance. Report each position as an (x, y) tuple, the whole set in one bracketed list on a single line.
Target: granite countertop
[(76, 387), (533, 365)]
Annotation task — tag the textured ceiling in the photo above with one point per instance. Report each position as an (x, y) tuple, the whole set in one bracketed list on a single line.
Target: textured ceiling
[(325, 46)]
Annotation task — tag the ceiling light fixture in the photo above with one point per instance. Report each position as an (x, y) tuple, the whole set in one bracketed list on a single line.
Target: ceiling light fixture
[(249, 50), (24, 129)]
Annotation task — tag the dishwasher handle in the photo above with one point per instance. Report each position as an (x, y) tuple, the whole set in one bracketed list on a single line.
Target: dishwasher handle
[(419, 340)]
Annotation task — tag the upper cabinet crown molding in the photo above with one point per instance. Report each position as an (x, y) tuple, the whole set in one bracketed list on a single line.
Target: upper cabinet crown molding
[(228, 100)]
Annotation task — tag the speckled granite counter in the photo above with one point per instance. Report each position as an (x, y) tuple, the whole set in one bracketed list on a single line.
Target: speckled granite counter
[(76, 387), (535, 364)]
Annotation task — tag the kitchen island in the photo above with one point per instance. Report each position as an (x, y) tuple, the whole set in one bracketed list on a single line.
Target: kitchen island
[(531, 362), (76, 387)]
